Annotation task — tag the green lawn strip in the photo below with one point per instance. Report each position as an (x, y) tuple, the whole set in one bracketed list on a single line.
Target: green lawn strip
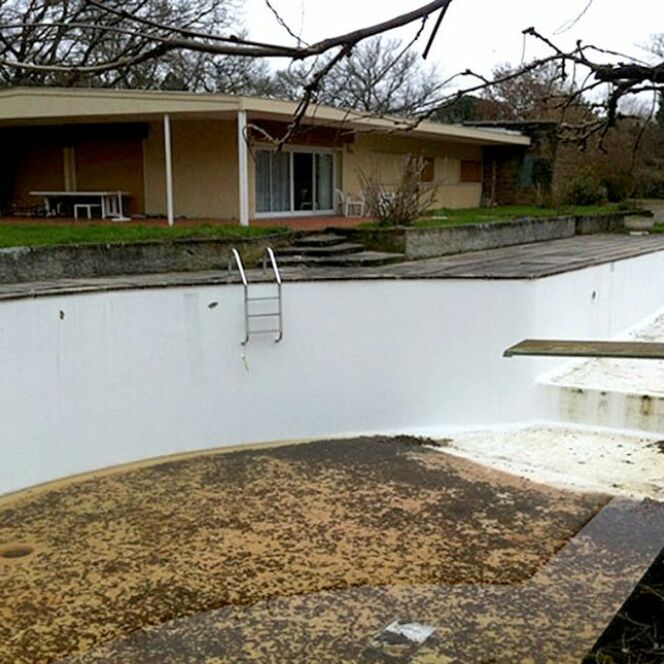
[(510, 213), (32, 235), (447, 218)]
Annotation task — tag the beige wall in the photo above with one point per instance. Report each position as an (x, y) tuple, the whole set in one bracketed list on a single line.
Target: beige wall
[(384, 157), (205, 169)]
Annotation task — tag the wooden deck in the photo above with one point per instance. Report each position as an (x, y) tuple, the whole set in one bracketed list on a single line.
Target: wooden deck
[(632, 350)]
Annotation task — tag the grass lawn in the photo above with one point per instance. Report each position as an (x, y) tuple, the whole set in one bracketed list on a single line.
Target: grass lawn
[(507, 213), (25, 234), (447, 217)]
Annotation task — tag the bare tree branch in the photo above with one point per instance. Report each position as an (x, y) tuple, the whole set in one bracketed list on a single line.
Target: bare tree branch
[(174, 38), (283, 23)]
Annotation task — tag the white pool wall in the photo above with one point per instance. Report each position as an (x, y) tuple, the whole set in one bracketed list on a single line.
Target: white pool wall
[(622, 295), (94, 380)]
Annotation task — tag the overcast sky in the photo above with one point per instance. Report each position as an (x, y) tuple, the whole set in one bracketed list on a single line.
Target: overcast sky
[(477, 33)]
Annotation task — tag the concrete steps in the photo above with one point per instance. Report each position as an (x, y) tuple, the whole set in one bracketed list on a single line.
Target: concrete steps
[(359, 259), (331, 250), (323, 250), (320, 240)]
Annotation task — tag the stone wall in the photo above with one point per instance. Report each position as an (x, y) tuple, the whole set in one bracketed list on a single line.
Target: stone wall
[(23, 264), (431, 242)]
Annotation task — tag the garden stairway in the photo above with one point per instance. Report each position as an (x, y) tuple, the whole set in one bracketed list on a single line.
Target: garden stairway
[(331, 250)]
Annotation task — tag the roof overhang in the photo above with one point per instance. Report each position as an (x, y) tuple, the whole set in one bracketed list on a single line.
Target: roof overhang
[(40, 106)]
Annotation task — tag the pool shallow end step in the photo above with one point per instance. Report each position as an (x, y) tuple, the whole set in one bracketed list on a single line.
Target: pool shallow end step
[(634, 350)]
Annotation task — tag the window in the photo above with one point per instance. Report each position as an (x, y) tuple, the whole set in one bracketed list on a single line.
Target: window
[(471, 171), (428, 169), (535, 171)]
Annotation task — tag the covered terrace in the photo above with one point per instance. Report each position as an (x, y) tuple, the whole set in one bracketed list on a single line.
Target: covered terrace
[(206, 156)]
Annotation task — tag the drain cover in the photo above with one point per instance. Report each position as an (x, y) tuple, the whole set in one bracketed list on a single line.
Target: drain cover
[(15, 551), (401, 638)]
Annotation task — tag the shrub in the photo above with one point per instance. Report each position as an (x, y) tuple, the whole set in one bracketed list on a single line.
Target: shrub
[(619, 186), (584, 188), (401, 205), (650, 185)]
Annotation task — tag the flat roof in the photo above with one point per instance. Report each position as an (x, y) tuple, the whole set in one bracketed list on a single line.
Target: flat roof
[(33, 106)]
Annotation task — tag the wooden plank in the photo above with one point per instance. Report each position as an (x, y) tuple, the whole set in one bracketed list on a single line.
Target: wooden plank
[(634, 350)]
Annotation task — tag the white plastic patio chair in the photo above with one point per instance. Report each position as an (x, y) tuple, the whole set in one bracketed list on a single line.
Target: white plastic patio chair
[(349, 203)]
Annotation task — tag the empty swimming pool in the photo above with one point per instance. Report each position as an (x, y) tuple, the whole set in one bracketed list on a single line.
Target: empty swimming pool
[(461, 539)]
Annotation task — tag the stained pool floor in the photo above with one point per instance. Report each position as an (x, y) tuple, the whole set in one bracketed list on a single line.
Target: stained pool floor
[(305, 553)]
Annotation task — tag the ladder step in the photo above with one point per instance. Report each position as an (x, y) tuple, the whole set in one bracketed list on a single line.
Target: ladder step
[(276, 315)]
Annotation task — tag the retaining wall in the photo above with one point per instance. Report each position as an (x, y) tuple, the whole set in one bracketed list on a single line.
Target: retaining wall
[(79, 261), (24, 264), (431, 242)]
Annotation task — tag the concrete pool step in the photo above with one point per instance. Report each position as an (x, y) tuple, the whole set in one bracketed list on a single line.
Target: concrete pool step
[(602, 407), (623, 393)]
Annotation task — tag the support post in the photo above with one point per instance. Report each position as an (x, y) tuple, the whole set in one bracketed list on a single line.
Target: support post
[(169, 170), (243, 168)]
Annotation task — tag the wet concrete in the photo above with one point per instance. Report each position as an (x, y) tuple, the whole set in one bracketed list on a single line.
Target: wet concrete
[(304, 553)]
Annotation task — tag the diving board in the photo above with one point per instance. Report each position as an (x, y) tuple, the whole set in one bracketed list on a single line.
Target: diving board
[(633, 350)]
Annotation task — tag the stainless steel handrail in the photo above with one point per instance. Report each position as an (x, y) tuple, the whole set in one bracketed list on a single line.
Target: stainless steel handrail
[(267, 254), (277, 278), (235, 254), (273, 260)]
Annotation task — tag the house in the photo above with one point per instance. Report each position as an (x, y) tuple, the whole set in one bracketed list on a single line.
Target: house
[(524, 175), (211, 156)]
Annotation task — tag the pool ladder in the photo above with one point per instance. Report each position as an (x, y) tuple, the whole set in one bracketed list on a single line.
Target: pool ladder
[(277, 315)]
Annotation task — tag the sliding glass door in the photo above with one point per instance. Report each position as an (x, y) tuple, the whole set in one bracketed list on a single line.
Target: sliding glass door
[(273, 190), (294, 182), (324, 180)]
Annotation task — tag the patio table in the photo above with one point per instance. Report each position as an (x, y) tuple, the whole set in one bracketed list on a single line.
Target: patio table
[(110, 202)]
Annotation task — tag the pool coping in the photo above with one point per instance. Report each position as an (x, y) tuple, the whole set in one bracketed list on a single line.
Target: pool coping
[(517, 263)]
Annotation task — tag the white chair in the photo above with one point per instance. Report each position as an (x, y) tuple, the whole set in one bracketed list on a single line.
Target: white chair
[(349, 203), (85, 207), (386, 200)]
